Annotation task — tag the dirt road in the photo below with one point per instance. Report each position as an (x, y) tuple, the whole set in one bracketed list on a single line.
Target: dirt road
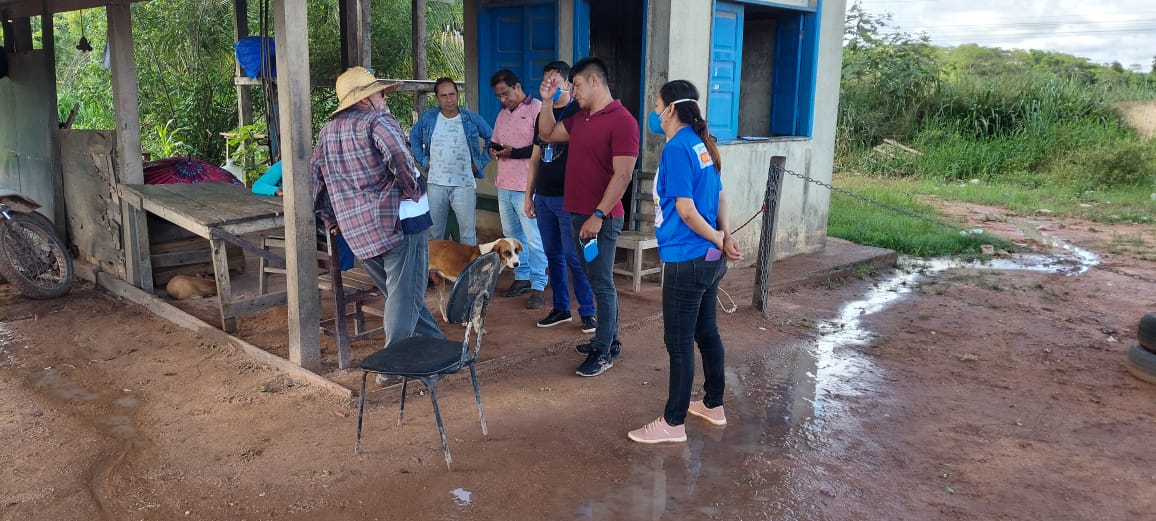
[(921, 394)]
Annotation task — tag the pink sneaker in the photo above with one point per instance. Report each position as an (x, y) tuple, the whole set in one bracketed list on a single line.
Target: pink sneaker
[(714, 416), (658, 431)]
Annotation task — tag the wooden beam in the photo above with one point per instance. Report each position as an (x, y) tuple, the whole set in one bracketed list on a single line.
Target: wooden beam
[(130, 165), (35, 7), (355, 34), (177, 316), (406, 85), (18, 35), (290, 23), (775, 174), (420, 58), (55, 165), (244, 92)]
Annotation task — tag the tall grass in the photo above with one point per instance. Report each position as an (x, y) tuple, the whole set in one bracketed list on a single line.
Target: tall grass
[(1031, 130)]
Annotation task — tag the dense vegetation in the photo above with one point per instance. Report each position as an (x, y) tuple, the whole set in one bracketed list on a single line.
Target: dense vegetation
[(1031, 118), (185, 66), (1029, 130)]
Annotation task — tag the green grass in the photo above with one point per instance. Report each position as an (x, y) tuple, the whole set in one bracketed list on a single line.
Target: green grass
[(863, 223)]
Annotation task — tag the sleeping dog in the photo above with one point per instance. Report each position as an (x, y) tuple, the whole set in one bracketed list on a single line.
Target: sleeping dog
[(449, 258)]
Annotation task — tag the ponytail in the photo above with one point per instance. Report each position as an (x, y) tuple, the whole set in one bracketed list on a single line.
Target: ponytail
[(690, 114)]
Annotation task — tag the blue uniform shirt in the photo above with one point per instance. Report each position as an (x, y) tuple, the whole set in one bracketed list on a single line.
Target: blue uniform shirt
[(685, 170)]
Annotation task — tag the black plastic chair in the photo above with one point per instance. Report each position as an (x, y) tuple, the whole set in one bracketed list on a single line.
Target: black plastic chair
[(427, 359)]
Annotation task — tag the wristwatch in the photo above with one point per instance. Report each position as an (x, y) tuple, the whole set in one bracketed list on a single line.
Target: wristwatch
[(598, 213)]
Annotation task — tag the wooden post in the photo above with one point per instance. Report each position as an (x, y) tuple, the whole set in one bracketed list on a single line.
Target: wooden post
[(420, 59), (130, 166), (355, 34), (18, 35), (244, 92), (55, 168), (767, 236), (290, 21)]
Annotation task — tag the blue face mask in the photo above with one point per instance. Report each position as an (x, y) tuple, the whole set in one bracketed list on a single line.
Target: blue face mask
[(654, 123), (654, 120)]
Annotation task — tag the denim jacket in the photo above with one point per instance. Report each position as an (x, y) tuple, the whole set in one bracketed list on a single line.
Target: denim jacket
[(474, 126)]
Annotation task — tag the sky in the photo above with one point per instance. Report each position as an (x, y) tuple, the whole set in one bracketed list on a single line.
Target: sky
[(1102, 31)]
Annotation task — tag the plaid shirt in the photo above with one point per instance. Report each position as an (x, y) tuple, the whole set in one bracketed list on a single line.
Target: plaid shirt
[(361, 169)]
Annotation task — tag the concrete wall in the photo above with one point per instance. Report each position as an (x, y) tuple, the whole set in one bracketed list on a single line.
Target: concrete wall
[(683, 28)]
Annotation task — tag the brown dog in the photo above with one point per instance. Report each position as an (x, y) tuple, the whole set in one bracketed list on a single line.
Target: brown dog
[(449, 258), (183, 287)]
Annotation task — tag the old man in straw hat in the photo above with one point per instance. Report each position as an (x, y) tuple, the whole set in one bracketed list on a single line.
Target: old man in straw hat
[(366, 187)]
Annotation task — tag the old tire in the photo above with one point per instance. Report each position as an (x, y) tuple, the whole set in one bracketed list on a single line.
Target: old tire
[(1142, 364), (1146, 332)]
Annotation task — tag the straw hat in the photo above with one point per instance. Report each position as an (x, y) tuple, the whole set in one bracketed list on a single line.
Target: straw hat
[(356, 84)]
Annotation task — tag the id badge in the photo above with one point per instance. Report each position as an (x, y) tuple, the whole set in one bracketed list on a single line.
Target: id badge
[(548, 153)]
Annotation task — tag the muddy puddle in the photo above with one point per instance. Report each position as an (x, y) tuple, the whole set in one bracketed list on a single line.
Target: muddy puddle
[(786, 403)]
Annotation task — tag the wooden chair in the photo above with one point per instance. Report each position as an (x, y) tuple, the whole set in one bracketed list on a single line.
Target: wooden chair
[(355, 288), (635, 237)]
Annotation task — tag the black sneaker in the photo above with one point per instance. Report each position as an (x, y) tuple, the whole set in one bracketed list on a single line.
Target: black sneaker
[(518, 287), (595, 364), (589, 325), (615, 348), (554, 318)]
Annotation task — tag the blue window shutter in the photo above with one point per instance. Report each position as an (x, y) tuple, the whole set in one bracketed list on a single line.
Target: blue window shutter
[(581, 30), (725, 70), (785, 83), (808, 65)]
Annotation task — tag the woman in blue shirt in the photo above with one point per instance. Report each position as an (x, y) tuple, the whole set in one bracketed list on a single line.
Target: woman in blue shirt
[(693, 238), (270, 184)]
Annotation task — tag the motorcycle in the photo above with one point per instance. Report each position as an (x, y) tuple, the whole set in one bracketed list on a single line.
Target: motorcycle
[(32, 257)]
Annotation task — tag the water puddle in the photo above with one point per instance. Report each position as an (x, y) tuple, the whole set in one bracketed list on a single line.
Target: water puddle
[(786, 401), (61, 387), (461, 496)]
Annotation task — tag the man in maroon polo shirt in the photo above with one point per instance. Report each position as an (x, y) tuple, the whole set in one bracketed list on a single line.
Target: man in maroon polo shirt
[(603, 148)]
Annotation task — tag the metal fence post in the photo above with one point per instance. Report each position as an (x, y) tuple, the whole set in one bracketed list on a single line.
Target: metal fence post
[(767, 236)]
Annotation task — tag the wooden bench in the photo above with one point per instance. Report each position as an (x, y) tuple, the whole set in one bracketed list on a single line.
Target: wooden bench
[(636, 238)]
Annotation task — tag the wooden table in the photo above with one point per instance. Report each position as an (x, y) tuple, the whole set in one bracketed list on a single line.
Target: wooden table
[(221, 213)]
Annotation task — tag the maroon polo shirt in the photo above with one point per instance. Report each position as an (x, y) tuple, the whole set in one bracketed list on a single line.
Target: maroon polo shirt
[(595, 139)]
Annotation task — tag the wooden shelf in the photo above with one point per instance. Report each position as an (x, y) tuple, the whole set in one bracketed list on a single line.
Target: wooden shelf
[(406, 85)]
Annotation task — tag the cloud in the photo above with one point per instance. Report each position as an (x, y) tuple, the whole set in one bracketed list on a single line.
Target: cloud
[(1121, 30)]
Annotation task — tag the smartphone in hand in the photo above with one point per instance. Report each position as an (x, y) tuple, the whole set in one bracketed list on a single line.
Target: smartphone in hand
[(496, 146), (713, 254)]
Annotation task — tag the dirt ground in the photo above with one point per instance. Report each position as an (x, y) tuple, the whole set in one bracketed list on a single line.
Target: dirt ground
[(908, 394), (1141, 115)]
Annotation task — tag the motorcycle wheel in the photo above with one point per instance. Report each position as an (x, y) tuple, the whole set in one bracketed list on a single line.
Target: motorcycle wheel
[(33, 258)]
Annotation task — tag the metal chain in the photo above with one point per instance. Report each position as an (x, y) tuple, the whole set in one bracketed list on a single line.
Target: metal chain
[(909, 213), (873, 202)]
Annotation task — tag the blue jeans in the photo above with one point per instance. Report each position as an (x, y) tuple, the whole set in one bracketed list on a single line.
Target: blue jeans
[(464, 201), (400, 274), (516, 224), (600, 272), (554, 224), (689, 290)]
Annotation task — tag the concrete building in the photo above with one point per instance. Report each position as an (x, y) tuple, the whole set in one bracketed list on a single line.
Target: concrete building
[(769, 71)]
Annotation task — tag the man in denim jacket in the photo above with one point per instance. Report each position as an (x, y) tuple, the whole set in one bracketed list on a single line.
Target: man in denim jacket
[(449, 144)]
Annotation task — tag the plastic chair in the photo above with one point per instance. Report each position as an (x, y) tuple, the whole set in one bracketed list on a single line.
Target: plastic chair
[(429, 359)]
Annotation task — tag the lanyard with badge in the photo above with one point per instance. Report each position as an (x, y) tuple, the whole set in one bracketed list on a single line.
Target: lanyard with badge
[(553, 151)]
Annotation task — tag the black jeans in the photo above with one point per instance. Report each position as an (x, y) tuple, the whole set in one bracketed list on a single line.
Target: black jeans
[(689, 290)]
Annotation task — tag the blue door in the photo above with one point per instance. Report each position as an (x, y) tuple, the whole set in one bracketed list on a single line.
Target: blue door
[(725, 66), (522, 39)]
